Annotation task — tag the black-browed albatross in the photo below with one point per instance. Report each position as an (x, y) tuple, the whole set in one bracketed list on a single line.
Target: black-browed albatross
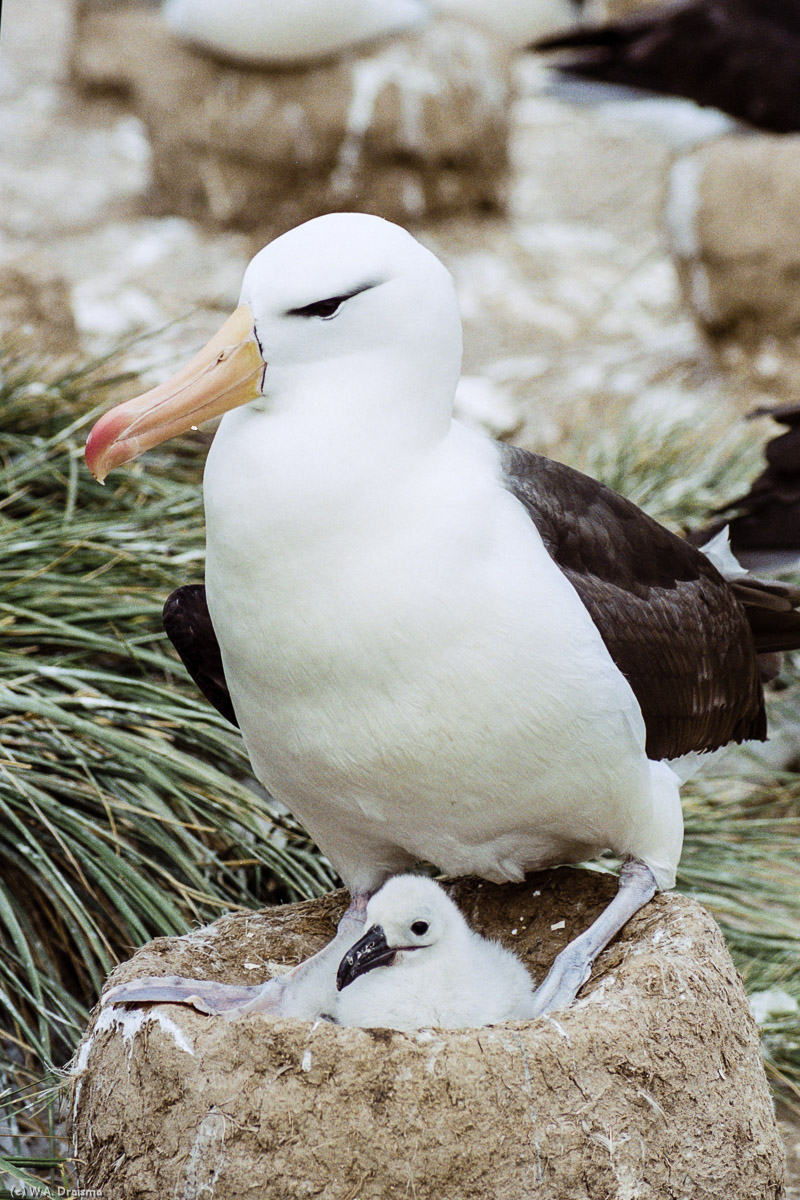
[(438, 648)]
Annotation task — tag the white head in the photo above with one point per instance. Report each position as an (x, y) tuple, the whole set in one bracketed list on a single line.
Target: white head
[(411, 922), (346, 321)]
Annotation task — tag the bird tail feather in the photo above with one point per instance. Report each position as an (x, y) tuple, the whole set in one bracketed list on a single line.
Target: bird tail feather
[(771, 606)]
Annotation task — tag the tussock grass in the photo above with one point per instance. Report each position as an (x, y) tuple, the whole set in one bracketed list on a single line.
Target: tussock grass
[(740, 860), (127, 808), (680, 470)]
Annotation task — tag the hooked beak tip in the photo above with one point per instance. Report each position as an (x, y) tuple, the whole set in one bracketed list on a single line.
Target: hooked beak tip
[(106, 446), (370, 951), (93, 454), (226, 373)]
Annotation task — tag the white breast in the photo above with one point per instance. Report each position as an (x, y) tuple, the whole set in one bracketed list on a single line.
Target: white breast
[(464, 986), (413, 675)]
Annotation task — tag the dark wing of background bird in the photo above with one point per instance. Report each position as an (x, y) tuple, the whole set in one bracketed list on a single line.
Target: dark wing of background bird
[(764, 523), (670, 621), (768, 517), (742, 56), (187, 622)]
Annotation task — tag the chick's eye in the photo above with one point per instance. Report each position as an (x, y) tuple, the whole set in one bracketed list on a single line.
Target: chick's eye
[(419, 927)]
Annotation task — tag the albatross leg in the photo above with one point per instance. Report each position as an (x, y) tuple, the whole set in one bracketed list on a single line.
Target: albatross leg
[(308, 990), (573, 965)]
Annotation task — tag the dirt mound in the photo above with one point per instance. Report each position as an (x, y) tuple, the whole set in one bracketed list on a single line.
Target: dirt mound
[(649, 1088), (413, 125)]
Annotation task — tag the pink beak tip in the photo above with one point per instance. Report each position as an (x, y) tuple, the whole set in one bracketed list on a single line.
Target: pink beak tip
[(93, 454)]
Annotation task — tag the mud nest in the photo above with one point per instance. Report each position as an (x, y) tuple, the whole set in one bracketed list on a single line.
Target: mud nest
[(649, 1086)]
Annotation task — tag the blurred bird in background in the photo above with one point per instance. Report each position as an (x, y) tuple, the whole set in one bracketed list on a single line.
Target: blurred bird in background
[(741, 56), (765, 522), (260, 33)]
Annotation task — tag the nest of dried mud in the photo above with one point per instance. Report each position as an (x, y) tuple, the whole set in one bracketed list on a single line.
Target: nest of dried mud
[(651, 1085)]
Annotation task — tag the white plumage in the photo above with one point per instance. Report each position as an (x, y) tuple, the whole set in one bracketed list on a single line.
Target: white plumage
[(261, 32), (441, 973), (517, 22), (413, 675), (280, 34)]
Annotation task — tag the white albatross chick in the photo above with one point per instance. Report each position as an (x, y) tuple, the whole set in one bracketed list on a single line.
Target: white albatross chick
[(258, 32), (419, 964)]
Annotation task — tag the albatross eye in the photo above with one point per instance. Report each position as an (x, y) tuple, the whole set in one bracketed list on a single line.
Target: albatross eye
[(320, 308), (419, 927), (325, 309)]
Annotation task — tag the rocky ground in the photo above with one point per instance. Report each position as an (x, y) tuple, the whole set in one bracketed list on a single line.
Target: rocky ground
[(571, 303)]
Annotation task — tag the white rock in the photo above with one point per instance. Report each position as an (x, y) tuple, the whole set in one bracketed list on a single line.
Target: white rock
[(774, 1002)]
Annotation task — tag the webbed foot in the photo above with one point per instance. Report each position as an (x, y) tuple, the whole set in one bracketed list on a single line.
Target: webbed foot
[(573, 966), (307, 990)]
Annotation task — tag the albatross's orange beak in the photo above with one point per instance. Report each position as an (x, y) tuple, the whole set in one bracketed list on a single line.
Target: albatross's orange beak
[(226, 373)]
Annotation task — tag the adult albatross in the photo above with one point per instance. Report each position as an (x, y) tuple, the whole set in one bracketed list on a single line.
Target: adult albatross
[(437, 647)]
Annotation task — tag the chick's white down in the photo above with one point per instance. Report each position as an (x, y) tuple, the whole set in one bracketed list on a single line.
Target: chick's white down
[(448, 976)]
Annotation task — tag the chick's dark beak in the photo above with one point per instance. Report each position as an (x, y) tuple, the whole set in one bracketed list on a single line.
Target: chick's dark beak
[(372, 950)]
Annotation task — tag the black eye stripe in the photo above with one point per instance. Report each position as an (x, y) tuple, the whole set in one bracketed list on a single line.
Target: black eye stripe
[(328, 307), (320, 308)]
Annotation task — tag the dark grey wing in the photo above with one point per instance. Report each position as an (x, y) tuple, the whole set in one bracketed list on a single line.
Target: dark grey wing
[(742, 56), (768, 517), (187, 622), (669, 620)]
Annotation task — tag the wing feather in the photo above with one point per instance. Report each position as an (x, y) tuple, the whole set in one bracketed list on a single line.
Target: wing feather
[(187, 622), (670, 621)]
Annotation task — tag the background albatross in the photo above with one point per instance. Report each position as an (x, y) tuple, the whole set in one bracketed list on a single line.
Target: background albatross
[(436, 647)]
